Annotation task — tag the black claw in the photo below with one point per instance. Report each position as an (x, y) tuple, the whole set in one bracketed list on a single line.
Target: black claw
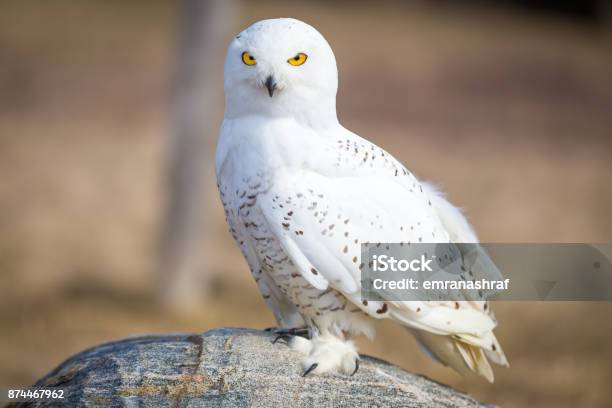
[(309, 370), (302, 332), (356, 367), (281, 336), (296, 331)]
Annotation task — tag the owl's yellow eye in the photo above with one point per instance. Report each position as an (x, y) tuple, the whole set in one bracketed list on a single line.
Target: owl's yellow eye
[(248, 59), (298, 60)]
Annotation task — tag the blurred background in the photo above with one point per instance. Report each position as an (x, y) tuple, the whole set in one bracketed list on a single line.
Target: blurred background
[(110, 224)]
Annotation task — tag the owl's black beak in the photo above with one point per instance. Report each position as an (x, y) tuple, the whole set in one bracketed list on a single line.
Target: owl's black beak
[(271, 85)]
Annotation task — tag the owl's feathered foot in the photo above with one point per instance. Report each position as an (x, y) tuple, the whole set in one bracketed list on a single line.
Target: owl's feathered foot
[(326, 353), (288, 334)]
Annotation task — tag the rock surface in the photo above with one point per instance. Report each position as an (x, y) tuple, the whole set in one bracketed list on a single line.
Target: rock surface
[(231, 368)]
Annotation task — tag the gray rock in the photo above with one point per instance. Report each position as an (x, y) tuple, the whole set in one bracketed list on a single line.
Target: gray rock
[(230, 368)]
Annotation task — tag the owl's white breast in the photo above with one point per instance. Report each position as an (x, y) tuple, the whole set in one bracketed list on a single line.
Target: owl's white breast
[(254, 145)]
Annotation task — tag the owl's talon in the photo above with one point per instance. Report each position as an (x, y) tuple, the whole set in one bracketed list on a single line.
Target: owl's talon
[(294, 331), (282, 336), (356, 367), (327, 353), (310, 369)]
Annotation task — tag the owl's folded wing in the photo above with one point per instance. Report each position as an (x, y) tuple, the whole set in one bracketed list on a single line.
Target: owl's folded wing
[(321, 222)]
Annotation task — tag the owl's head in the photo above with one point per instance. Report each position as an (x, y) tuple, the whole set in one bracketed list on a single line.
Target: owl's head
[(281, 67)]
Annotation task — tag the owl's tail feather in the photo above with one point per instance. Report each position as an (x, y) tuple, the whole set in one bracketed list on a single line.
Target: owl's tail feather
[(463, 355)]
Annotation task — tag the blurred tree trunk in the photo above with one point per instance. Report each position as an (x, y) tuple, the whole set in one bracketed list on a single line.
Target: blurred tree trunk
[(196, 101)]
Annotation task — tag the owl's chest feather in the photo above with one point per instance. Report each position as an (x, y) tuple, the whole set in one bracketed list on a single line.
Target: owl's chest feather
[(254, 228)]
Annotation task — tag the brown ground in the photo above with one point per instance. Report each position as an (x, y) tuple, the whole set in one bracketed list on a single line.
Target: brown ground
[(510, 114)]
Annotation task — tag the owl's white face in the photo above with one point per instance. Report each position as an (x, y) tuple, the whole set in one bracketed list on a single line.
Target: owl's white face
[(280, 67)]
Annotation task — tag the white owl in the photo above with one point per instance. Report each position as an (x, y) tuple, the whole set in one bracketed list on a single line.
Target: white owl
[(301, 193)]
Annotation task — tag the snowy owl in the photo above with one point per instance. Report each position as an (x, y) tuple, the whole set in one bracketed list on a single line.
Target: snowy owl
[(301, 193)]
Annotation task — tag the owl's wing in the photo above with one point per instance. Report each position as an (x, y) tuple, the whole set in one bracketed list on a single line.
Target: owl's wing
[(352, 156), (321, 221)]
